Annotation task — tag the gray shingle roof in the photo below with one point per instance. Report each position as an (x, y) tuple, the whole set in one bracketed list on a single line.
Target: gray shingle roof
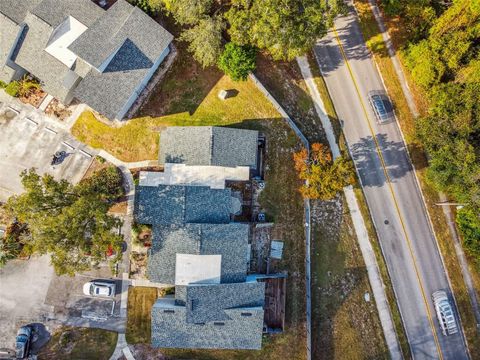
[(207, 303), (208, 145), (228, 240), (232, 314), (16, 9), (137, 41), (178, 204), (32, 57), (140, 41), (10, 31), (120, 23), (54, 12)]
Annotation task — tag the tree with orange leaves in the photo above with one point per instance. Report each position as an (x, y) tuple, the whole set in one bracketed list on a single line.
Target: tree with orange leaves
[(323, 177)]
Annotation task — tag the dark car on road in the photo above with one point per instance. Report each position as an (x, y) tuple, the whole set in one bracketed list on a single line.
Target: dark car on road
[(381, 106), (22, 342)]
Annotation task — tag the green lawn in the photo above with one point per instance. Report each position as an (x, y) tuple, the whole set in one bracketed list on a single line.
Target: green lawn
[(80, 344), (138, 138), (140, 302)]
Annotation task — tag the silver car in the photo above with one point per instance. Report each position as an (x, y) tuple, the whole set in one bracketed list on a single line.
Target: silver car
[(99, 288), (445, 314), (381, 106)]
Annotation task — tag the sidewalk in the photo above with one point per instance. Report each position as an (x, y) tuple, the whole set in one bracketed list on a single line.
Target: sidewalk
[(358, 222)]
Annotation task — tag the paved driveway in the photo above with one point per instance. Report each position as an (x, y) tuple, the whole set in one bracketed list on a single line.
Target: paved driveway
[(23, 288), (29, 139)]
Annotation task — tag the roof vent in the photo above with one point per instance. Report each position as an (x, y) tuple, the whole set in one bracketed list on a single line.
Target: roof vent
[(218, 323)]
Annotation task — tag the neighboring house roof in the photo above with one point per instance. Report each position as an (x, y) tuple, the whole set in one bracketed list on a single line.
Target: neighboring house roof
[(10, 32), (32, 57), (178, 204), (228, 240), (208, 145), (17, 9), (222, 316), (116, 55), (137, 42)]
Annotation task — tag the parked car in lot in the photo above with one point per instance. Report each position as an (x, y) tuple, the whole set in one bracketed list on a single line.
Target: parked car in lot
[(22, 342), (445, 314), (381, 106), (99, 288)]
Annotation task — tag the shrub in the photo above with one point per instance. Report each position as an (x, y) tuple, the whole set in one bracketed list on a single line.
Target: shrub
[(3, 84), (237, 61), (13, 88), (468, 222)]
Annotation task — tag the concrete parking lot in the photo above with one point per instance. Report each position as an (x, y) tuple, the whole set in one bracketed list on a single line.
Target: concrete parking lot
[(23, 288), (28, 139)]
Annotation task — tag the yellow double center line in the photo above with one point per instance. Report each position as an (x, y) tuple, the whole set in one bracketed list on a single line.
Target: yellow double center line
[(384, 167)]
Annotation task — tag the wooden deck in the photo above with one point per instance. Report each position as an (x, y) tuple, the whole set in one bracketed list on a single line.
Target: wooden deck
[(275, 293)]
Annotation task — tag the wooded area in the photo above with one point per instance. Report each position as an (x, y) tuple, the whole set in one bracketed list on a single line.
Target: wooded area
[(443, 56)]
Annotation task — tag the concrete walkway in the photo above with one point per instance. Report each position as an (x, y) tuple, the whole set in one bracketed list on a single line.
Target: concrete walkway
[(446, 209), (359, 225)]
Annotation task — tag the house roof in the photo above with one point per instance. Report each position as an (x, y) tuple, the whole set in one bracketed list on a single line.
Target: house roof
[(124, 38), (17, 10), (208, 145), (179, 204), (228, 240), (137, 42), (207, 303), (222, 316), (10, 31)]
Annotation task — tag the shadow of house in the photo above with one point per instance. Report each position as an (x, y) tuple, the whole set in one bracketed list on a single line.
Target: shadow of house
[(128, 58)]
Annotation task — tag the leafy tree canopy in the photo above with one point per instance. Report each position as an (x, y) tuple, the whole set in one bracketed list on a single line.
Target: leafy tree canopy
[(286, 29), (188, 12), (237, 61), (69, 222), (323, 177), (205, 40)]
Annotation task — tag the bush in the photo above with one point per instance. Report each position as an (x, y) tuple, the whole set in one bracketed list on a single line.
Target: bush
[(468, 222), (13, 88), (3, 84), (237, 61)]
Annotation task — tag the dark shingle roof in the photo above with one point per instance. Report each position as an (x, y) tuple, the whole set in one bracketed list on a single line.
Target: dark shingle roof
[(207, 303), (178, 204), (232, 314), (208, 145), (228, 240)]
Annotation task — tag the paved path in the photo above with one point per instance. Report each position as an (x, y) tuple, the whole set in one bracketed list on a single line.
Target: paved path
[(446, 209), (358, 222), (391, 190)]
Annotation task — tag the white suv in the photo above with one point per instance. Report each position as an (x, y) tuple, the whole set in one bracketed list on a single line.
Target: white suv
[(445, 314), (99, 288)]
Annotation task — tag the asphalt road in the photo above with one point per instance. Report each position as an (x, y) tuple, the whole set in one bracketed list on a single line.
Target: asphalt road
[(395, 201)]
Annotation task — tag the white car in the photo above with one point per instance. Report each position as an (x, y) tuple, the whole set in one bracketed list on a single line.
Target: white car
[(444, 310), (99, 288)]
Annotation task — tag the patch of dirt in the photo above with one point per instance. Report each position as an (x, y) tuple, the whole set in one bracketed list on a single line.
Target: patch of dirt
[(33, 97), (138, 265), (58, 110)]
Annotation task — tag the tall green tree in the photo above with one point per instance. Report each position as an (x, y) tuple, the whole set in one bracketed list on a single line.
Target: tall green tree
[(188, 12), (285, 29), (69, 222), (237, 61), (205, 40)]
